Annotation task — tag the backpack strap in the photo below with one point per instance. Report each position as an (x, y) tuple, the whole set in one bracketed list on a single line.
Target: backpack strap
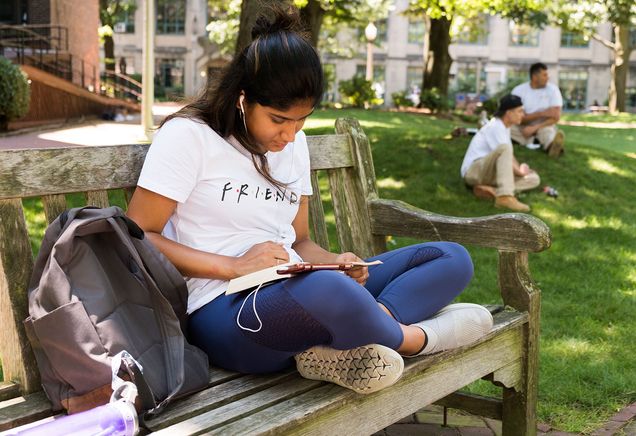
[(174, 356)]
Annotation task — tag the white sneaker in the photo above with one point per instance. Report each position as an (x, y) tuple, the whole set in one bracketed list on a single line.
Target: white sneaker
[(363, 369), (454, 326), (533, 146)]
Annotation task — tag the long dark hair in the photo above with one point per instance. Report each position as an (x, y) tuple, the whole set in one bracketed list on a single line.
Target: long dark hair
[(279, 68)]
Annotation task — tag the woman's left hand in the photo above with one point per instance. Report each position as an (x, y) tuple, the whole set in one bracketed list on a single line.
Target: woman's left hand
[(359, 274)]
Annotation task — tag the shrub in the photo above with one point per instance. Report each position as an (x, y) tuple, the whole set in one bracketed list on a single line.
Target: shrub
[(401, 100), (434, 100), (358, 91), (14, 93)]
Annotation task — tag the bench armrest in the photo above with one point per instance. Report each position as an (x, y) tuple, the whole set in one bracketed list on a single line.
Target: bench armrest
[(508, 232)]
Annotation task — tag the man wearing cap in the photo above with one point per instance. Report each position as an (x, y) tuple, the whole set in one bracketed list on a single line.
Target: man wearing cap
[(542, 102), (489, 165)]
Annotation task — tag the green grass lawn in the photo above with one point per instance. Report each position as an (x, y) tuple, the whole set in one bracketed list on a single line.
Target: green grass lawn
[(588, 276)]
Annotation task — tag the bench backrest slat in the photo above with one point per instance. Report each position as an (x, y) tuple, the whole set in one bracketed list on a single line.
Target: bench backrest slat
[(54, 204)]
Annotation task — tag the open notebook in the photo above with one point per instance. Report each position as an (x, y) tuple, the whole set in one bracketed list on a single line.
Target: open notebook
[(286, 270)]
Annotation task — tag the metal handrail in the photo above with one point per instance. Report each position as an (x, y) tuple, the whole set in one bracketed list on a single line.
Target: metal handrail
[(32, 48)]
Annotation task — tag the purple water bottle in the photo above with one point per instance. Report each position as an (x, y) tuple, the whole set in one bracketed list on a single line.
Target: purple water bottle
[(118, 418)]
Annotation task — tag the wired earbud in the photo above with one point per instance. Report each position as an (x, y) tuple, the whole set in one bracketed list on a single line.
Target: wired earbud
[(241, 98)]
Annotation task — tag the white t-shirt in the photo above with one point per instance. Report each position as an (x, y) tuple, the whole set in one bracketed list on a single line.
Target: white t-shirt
[(224, 205), (538, 99), (485, 141)]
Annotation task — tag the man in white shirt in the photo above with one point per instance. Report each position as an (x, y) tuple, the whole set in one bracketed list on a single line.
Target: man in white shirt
[(542, 102), (489, 165)]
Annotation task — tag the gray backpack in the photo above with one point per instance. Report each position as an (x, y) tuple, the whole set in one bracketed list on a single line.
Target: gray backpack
[(98, 288)]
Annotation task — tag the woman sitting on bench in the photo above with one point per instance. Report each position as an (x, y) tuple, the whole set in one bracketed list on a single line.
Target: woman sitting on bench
[(224, 192)]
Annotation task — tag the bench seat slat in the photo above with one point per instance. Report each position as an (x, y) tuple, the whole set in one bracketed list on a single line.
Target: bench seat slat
[(8, 390), (331, 409), (231, 412), (23, 410), (216, 396)]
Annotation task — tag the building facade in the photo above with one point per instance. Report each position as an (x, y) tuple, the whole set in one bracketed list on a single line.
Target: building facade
[(483, 62), (183, 53)]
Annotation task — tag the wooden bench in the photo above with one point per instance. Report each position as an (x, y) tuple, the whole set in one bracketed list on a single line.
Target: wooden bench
[(285, 403)]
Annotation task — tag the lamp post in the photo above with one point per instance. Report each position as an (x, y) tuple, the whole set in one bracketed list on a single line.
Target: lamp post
[(370, 32)]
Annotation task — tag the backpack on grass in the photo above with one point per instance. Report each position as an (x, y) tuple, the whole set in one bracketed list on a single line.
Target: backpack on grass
[(99, 288)]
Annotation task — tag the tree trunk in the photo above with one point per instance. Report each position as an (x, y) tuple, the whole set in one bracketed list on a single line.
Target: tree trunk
[(618, 84), (312, 15), (439, 61), (109, 53), (250, 10)]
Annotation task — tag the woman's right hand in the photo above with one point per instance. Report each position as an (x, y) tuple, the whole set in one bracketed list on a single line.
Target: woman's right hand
[(260, 256)]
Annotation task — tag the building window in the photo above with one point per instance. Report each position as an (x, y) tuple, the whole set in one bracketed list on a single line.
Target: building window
[(125, 21), (382, 26), (573, 40), (379, 83), (474, 31), (414, 77), (573, 85), (171, 16), (331, 83), (417, 30), (523, 35), (470, 76), (632, 38), (169, 78)]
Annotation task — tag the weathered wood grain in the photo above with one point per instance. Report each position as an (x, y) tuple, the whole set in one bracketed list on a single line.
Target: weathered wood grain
[(97, 198), (511, 231), (317, 214), (519, 291), (214, 418), (16, 264), (24, 410), (8, 390), (329, 151), (474, 404), (337, 188), (216, 396), (334, 410), (53, 206), (35, 172)]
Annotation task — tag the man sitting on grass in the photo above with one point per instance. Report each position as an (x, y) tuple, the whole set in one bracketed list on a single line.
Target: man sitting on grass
[(489, 165), (542, 102)]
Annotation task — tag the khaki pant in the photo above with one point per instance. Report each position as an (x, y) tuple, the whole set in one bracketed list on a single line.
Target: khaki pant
[(545, 135), (495, 170)]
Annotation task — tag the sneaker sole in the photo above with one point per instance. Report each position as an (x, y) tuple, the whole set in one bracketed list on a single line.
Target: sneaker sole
[(363, 369)]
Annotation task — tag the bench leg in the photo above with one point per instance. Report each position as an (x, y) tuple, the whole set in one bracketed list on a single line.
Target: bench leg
[(519, 414), (18, 362)]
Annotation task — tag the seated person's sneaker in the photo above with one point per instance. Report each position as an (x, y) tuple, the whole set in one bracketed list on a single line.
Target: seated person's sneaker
[(556, 147), (363, 369), (485, 192), (511, 202), (454, 326)]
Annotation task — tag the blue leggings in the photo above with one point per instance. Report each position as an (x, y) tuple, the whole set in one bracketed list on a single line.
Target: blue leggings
[(329, 308)]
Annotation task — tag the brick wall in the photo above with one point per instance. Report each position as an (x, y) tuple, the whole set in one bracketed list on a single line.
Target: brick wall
[(81, 18)]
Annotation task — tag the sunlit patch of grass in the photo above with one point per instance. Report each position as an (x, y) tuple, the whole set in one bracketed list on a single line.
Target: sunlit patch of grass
[(390, 183), (605, 167)]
